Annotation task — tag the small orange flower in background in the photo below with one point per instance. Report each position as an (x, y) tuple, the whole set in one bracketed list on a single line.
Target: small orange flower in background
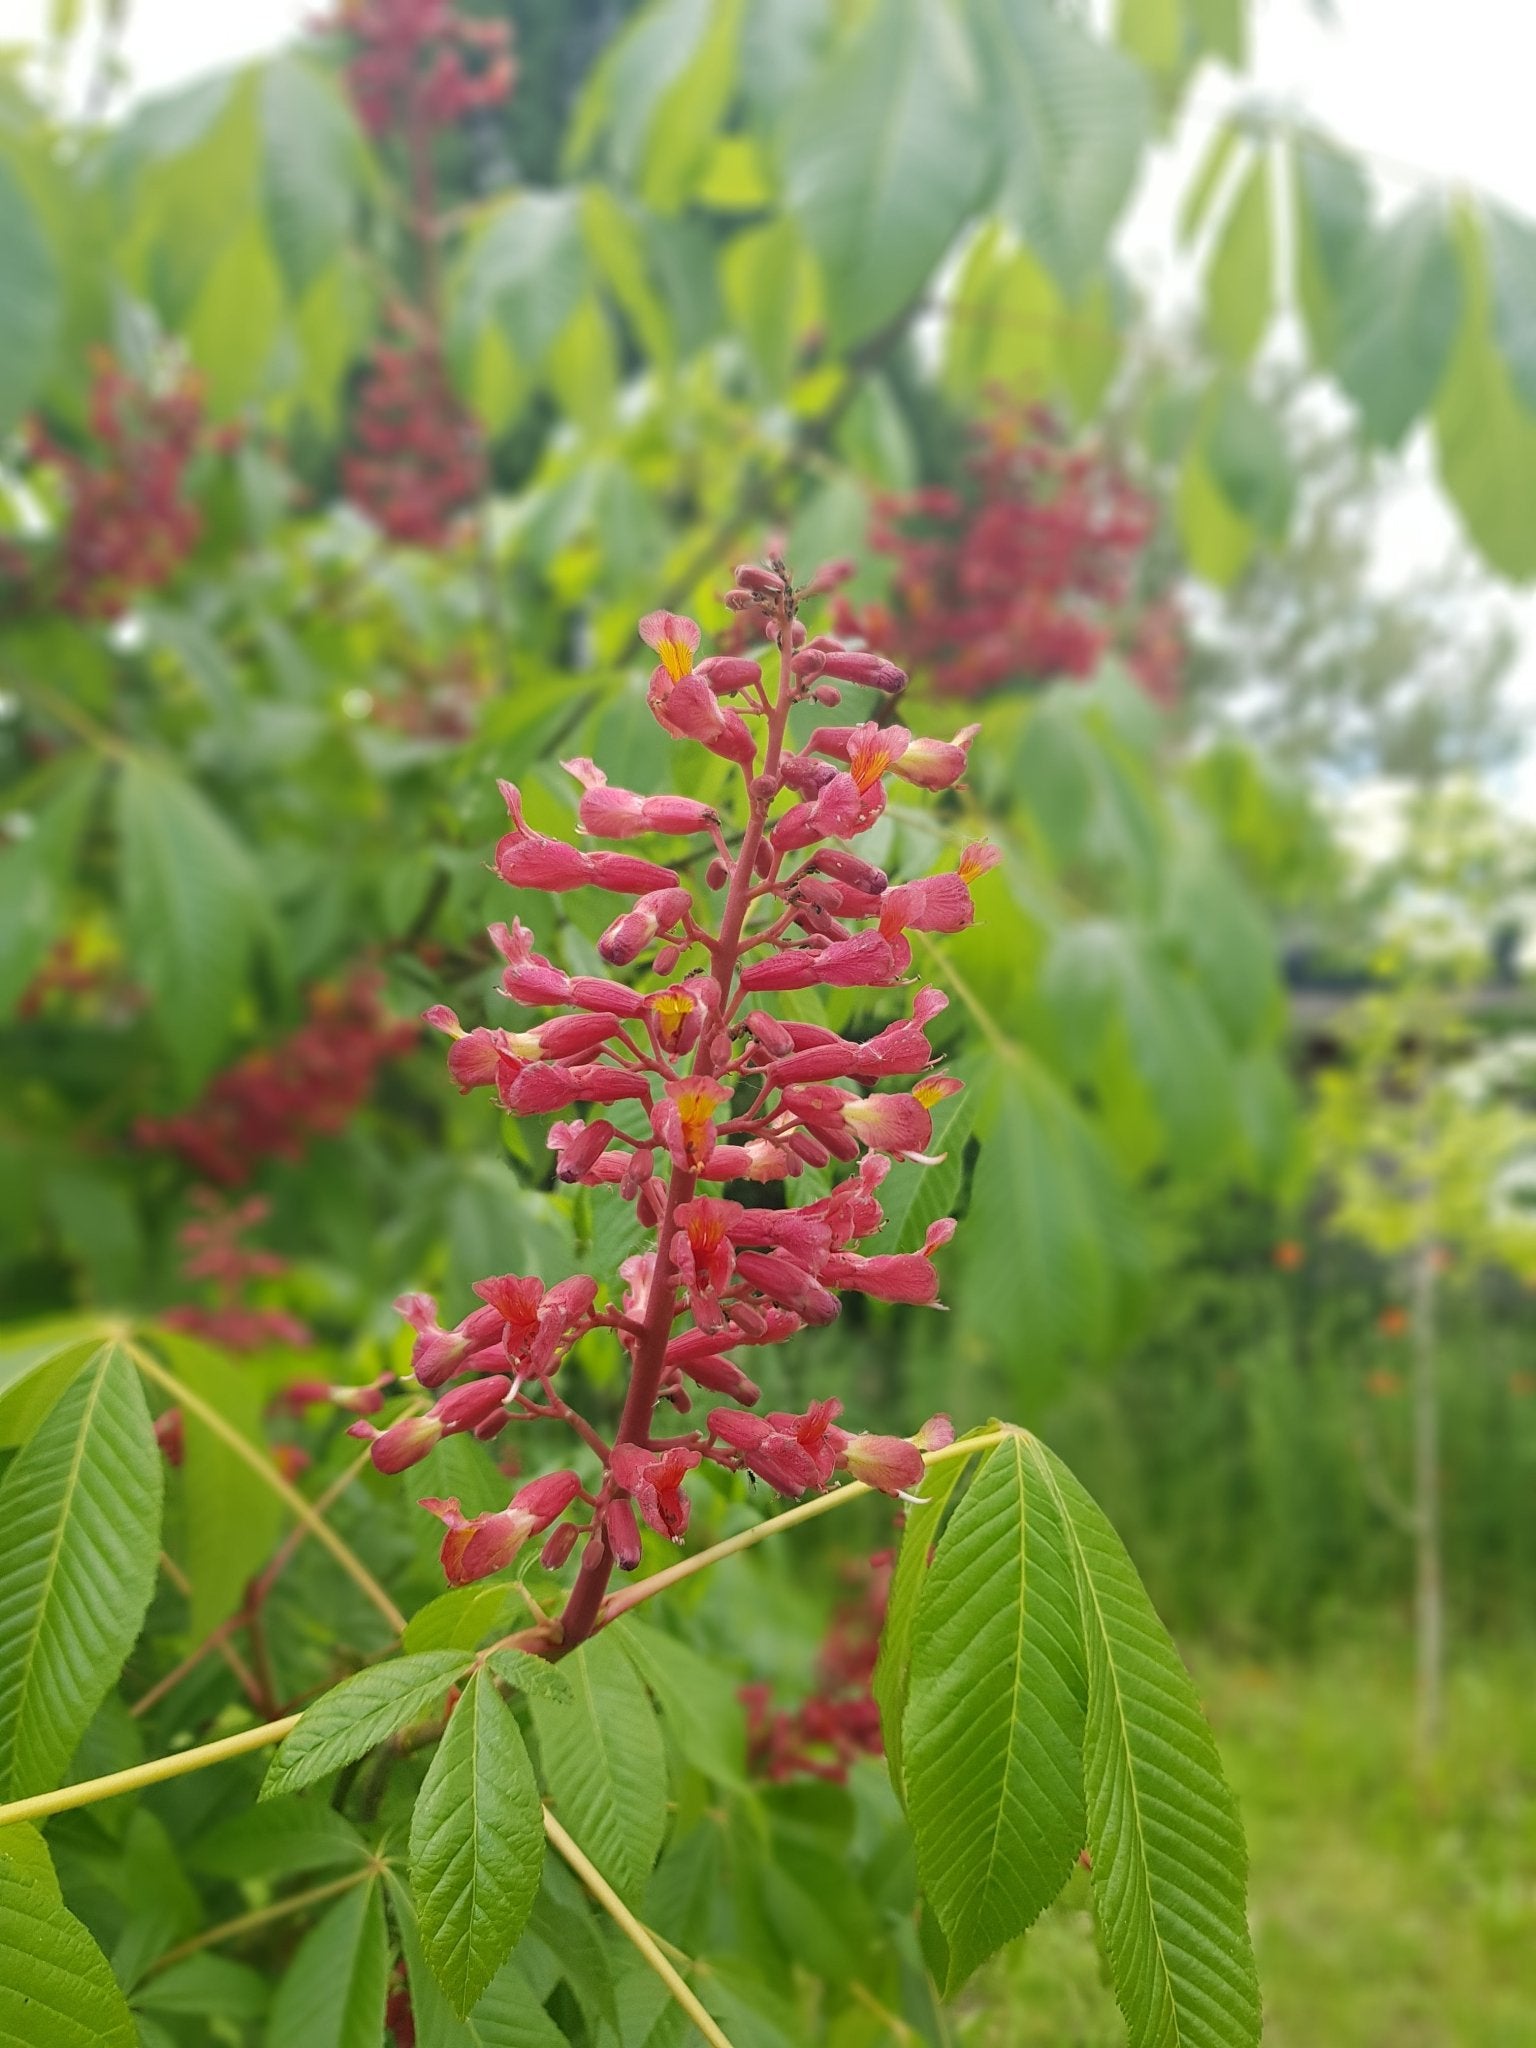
[(1382, 1385), (1289, 1255), (1393, 1321), (1522, 1385)]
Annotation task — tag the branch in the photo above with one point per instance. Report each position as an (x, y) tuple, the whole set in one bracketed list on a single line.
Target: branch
[(634, 1929), (90, 1790), (289, 1495), (244, 1922)]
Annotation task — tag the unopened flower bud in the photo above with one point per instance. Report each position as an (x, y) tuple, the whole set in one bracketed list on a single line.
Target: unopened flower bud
[(761, 582), (889, 1463), (827, 694), (717, 874), (404, 1443), (466, 1407), (558, 1545), (623, 1534)]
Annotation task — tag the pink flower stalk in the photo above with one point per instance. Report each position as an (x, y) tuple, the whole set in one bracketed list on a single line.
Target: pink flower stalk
[(728, 1097)]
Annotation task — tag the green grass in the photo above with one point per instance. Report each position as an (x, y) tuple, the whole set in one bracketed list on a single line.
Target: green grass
[(1392, 1908)]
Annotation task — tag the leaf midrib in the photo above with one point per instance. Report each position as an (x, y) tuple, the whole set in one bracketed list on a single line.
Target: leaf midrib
[(1086, 1578), (40, 1610)]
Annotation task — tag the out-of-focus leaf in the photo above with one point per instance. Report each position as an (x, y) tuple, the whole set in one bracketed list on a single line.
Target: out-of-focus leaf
[(688, 113), (312, 160), (1485, 439), (993, 1731), (279, 1838), (884, 158), (193, 907), (1512, 263), (1398, 316), (1073, 116), (81, 1510), (763, 283), (205, 1987), (35, 873), (698, 1702), (1246, 451), (1152, 31), (603, 1764), (1239, 288), (1005, 324), (232, 1517), (334, 1991), (1051, 1246), (56, 1990), (477, 1845), (1217, 540), (1332, 214), (524, 268), (32, 303), (619, 252)]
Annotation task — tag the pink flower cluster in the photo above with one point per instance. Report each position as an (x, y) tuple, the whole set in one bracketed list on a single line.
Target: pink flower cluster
[(696, 1104)]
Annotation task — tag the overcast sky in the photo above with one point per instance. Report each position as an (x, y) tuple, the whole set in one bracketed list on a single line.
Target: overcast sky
[(1431, 92)]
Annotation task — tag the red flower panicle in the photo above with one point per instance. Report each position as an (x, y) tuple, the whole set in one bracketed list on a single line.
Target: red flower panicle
[(129, 523), (418, 65), (1027, 574), (272, 1103), (687, 1097), (416, 458)]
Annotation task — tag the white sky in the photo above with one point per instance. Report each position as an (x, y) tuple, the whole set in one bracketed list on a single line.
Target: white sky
[(1431, 92)]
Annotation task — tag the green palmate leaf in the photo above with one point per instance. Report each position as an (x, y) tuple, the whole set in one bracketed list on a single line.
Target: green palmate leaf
[(335, 1989), (604, 1767), (1005, 328), (1397, 318), (1073, 116), (56, 1990), (1050, 1237), (884, 159), (763, 283), (688, 114), (893, 1668), (1485, 438), (359, 1713), (616, 243), (460, 1619), (311, 166), (477, 1845), (193, 909), (1169, 1863), (281, 1838), (32, 303), (508, 2014), (697, 1699), (23, 1848), (1153, 32), (1239, 286), (234, 323), (36, 1364), (80, 1508), (532, 1675), (993, 1729), (233, 1517), (205, 1987)]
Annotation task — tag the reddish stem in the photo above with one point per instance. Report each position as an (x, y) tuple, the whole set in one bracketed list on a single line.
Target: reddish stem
[(581, 1609)]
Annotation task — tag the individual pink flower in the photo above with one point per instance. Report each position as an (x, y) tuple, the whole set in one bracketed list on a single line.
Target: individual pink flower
[(772, 1454), (655, 1480), (817, 1434), (437, 1354), (682, 702), (661, 910), (908, 1277), (704, 1256), (685, 1121), (610, 813)]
